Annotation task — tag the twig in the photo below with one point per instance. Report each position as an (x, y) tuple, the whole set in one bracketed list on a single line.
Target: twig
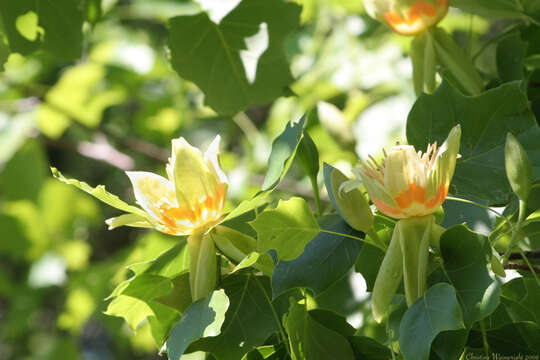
[(534, 254), (515, 266)]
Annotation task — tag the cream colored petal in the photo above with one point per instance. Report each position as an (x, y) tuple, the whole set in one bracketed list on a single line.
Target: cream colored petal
[(194, 180), (152, 191), (445, 163), (376, 190), (132, 220), (211, 157), (399, 169)]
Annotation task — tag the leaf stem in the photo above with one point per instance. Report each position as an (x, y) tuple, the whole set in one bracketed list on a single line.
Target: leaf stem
[(515, 231), (533, 270), (276, 317), (505, 218), (353, 237), (484, 337), (316, 194)]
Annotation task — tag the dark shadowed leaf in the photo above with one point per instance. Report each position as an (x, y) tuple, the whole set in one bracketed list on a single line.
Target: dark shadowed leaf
[(241, 60), (438, 310), (466, 255), (311, 340), (250, 320), (326, 259)]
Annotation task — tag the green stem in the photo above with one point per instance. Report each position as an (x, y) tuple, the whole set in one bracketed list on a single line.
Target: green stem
[(316, 194), (515, 231), (484, 337), (529, 265), (505, 218), (352, 237), (276, 317)]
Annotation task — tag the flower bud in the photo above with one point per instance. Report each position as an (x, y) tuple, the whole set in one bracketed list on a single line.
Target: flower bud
[(518, 167), (350, 203), (407, 17)]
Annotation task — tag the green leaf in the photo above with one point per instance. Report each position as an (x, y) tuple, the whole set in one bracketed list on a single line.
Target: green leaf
[(101, 194), (438, 310), (284, 149), (311, 340), (490, 8), (516, 338), (240, 61), (448, 345), (332, 321), (250, 320), (485, 120), (57, 29), (511, 52), (144, 287), (288, 228), (169, 263), (519, 302), (133, 310), (308, 155), (466, 257), (325, 260), (134, 300), (368, 348), (202, 319)]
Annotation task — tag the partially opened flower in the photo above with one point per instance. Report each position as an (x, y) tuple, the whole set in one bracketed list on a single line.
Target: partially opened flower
[(408, 17), (407, 183), (410, 186), (192, 197)]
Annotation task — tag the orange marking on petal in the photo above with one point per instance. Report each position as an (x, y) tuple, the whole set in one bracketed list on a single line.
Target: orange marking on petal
[(419, 193), (385, 208), (439, 197), (414, 193), (418, 8), (405, 199), (393, 18)]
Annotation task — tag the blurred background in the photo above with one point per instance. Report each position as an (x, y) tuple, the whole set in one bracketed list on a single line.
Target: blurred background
[(118, 108)]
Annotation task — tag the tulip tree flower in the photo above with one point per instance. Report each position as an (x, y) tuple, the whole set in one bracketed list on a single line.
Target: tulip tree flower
[(408, 17), (409, 186), (188, 202), (431, 48), (193, 196)]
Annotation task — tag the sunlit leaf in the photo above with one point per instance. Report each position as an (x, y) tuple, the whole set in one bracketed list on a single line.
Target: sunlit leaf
[(288, 228)]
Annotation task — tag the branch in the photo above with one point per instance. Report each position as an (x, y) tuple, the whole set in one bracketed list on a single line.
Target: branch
[(534, 254), (515, 266)]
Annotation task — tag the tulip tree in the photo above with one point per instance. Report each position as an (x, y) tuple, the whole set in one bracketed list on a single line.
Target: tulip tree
[(441, 227)]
